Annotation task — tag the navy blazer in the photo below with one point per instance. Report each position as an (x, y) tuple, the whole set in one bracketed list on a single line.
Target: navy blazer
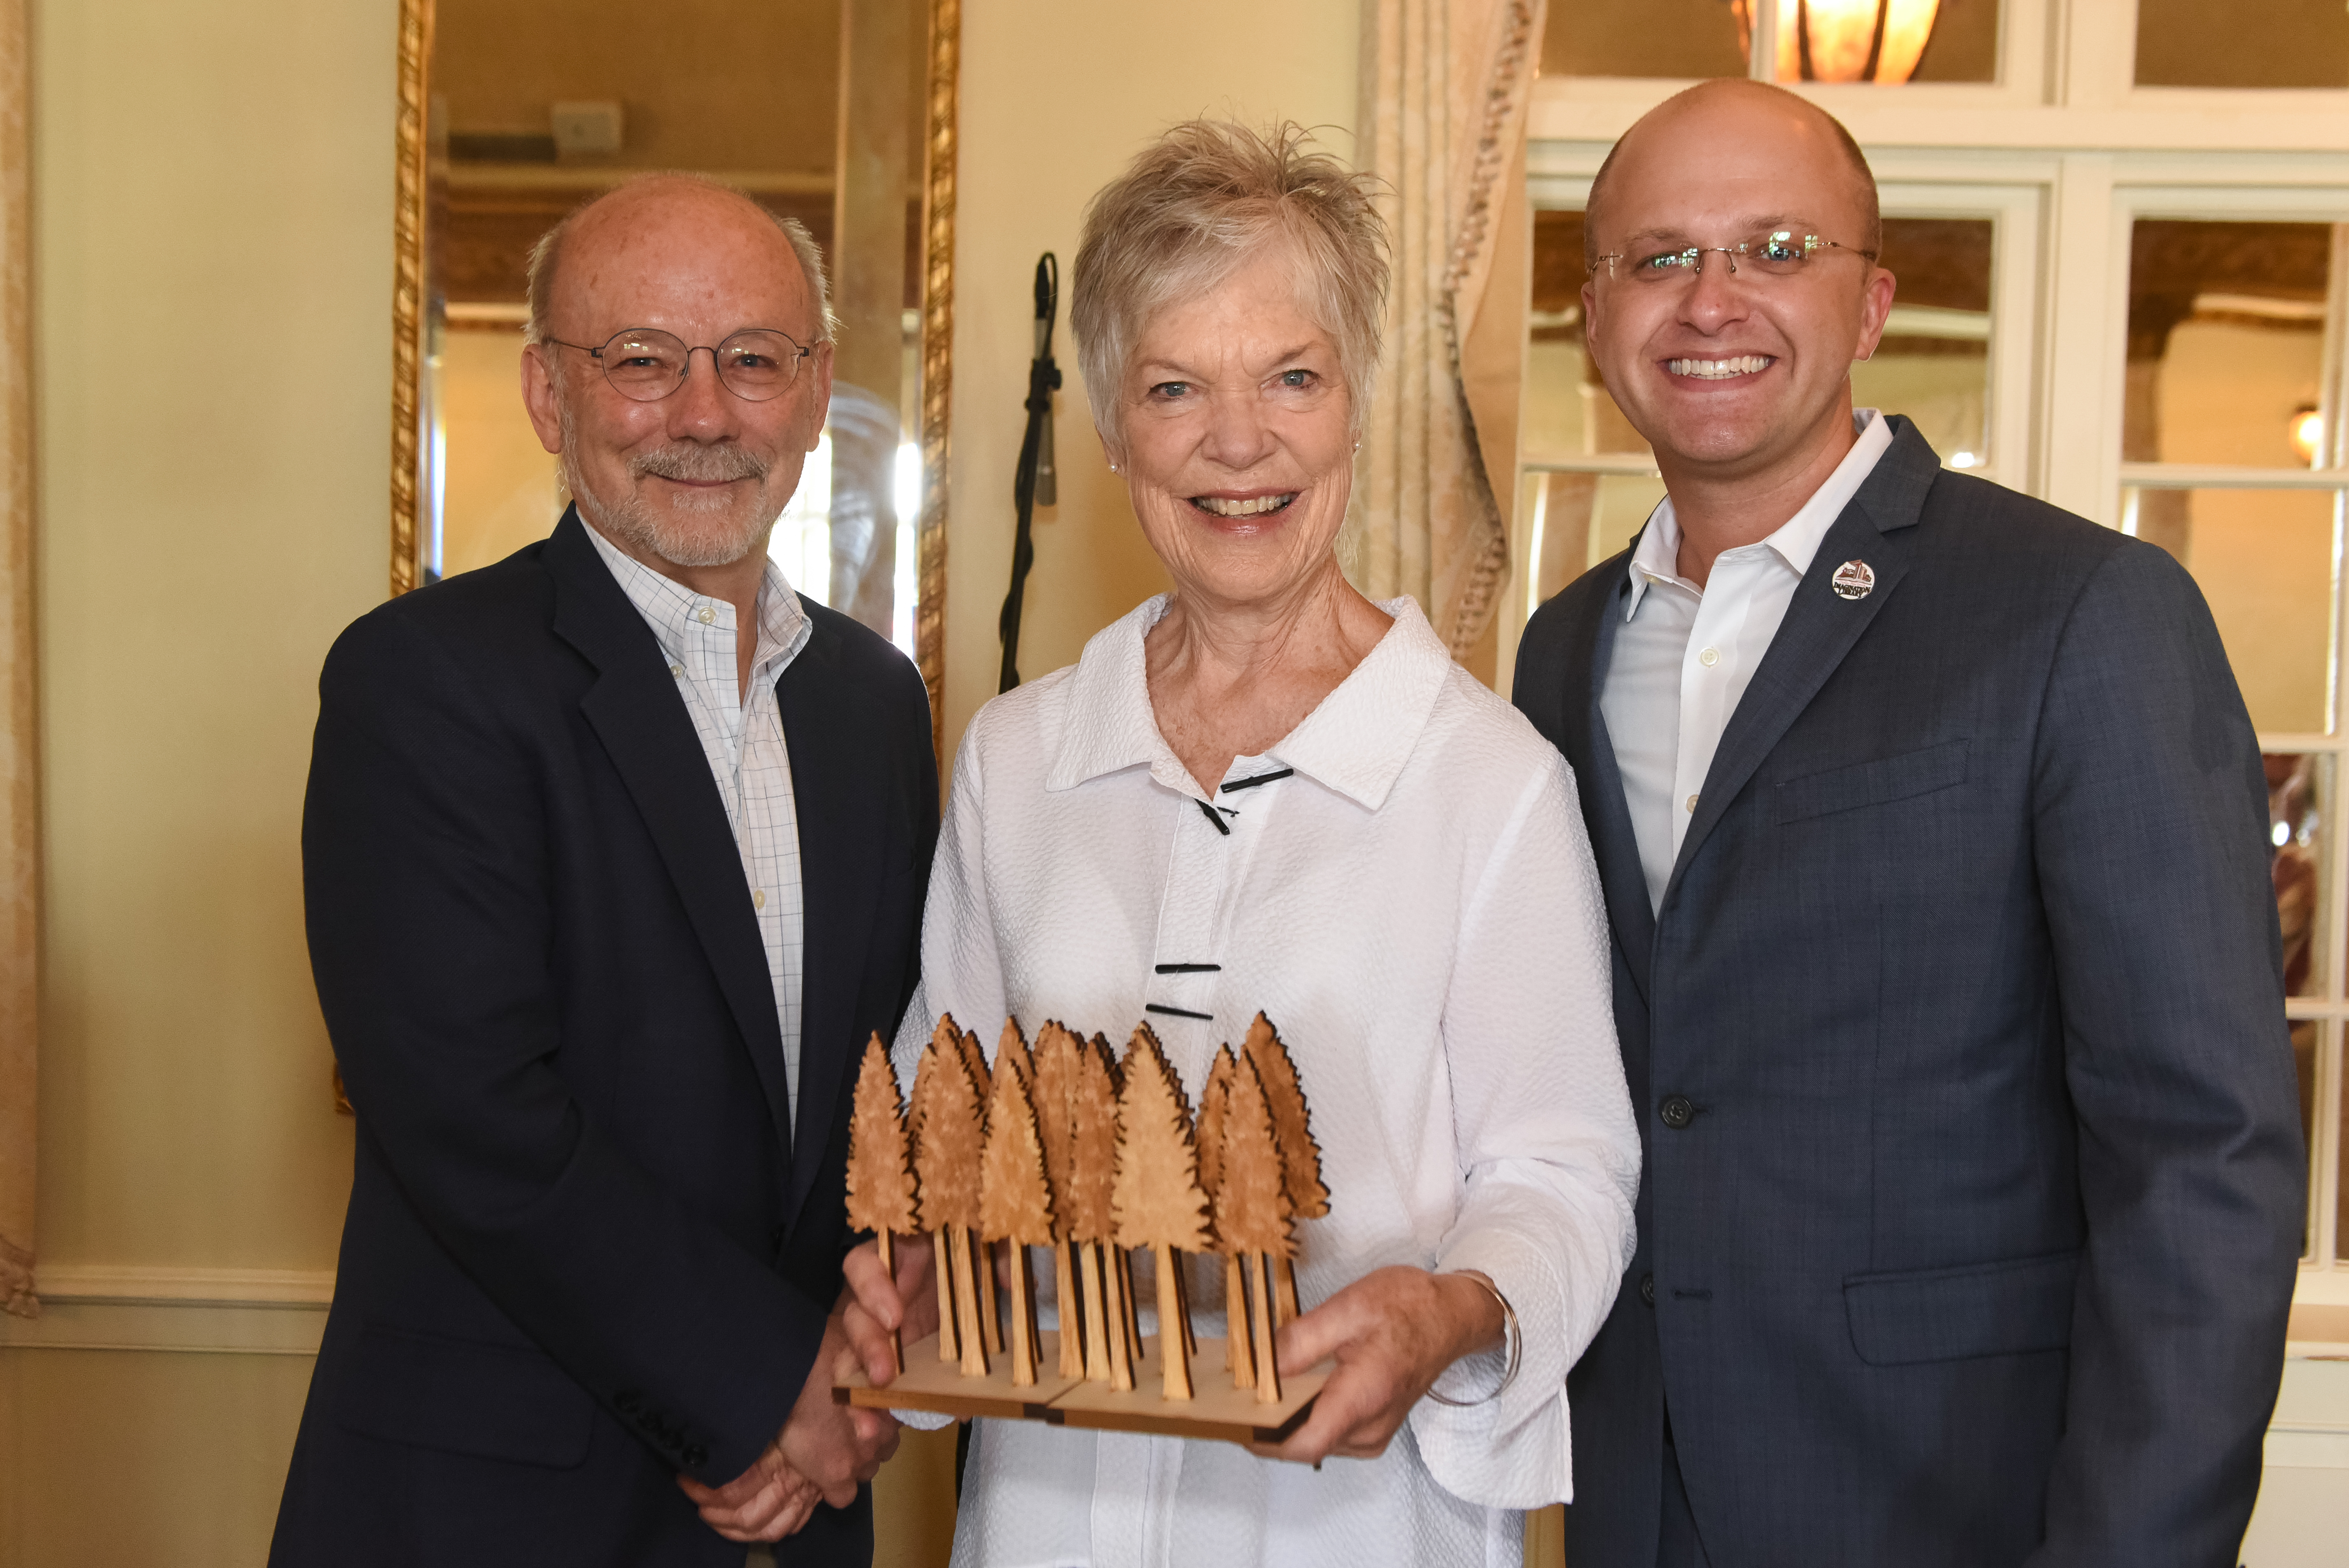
[(1974, 1180), (591, 1240)]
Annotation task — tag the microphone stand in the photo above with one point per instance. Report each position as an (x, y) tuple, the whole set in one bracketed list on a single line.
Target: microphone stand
[(1035, 483)]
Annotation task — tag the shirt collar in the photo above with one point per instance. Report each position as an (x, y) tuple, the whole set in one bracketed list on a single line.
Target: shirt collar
[(1356, 742), (669, 607), (1656, 559)]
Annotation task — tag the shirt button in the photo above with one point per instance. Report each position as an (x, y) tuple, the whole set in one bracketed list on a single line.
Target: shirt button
[(758, 898), (705, 614), (677, 669), (1709, 658), (1690, 802), (1676, 1111)]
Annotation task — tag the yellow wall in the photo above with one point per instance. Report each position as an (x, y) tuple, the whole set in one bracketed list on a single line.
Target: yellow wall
[(1057, 97), (221, 174)]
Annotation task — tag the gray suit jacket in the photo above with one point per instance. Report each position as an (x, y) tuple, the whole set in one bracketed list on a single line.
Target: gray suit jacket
[(1973, 1180)]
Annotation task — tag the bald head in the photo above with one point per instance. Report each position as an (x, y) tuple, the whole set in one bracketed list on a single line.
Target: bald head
[(1754, 114), (651, 205)]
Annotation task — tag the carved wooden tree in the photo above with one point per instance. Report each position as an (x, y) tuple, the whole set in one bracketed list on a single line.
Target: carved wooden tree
[(1252, 1215), (947, 1152), (1054, 1091), (982, 1266), (882, 1192), (1015, 1197), (1158, 1199), (1092, 1225), (1213, 1097), (1300, 1156)]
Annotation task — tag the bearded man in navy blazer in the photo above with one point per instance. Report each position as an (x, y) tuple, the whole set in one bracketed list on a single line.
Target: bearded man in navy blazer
[(615, 856), (1933, 835)]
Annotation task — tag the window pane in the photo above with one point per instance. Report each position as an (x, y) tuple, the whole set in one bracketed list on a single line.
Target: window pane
[(2242, 44), (1642, 38), (1934, 363), (1566, 413), (2226, 340), (2265, 562), (2300, 808)]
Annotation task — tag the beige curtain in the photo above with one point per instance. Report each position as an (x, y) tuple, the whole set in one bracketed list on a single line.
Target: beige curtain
[(19, 759), (1442, 124)]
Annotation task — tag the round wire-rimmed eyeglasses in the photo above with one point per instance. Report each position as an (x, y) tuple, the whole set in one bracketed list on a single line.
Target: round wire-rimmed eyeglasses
[(1772, 252), (646, 363)]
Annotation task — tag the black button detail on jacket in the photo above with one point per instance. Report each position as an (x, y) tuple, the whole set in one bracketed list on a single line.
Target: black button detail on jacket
[(694, 1456), (1648, 1288), (1252, 783), (1677, 1111)]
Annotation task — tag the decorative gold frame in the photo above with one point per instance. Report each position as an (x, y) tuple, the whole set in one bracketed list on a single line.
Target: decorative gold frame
[(20, 821), (408, 241)]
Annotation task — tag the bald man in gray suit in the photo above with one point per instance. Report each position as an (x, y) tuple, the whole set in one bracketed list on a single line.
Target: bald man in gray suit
[(1934, 834)]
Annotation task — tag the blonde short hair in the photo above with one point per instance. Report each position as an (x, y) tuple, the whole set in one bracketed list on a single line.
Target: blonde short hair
[(545, 256), (1197, 205)]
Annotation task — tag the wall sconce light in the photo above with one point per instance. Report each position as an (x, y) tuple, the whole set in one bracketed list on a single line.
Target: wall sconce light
[(2307, 433), (1875, 41)]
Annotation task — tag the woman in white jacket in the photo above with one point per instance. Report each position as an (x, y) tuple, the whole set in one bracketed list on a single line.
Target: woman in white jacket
[(1265, 793)]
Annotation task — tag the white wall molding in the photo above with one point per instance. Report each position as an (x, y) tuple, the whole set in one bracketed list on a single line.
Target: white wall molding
[(104, 1307)]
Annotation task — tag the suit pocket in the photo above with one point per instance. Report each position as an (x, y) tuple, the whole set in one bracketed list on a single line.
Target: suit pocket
[(1951, 1315), (1912, 773), (492, 1401)]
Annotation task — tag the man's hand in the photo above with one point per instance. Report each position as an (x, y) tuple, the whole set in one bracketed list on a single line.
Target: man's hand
[(824, 1454), (765, 1503), (1393, 1332), (878, 1303)]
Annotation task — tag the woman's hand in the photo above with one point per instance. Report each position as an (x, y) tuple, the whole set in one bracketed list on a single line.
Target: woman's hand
[(906, 1303), (1392, 1332)]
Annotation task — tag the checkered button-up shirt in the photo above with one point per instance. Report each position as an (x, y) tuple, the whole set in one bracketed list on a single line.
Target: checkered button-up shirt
[(742, 732)]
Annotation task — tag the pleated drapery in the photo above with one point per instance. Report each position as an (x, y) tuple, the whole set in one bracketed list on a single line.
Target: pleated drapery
[(1442, 119)]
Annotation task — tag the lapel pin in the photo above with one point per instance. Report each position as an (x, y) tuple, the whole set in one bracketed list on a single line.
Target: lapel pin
[(1854, 580)]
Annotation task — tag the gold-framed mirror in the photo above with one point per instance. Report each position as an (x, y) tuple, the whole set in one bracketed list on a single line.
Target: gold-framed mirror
[(840, 113)]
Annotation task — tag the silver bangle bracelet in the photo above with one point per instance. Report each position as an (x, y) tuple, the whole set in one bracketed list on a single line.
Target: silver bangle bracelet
[(1510, 1333)]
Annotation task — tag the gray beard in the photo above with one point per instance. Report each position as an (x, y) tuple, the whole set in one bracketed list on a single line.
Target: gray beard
[(633, 522)]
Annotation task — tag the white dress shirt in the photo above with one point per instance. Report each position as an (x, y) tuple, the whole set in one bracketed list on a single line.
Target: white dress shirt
[(1686, 654), (743, 741), (1403, 884)]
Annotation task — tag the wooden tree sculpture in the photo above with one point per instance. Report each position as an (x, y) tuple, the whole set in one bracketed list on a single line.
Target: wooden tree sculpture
[(1158, 1201), (947, 1147), (1110, 1348), (1252, 1216), (1054, 1091), (930, 1072), (882, 1194), (1213, 1098), (1300, 1157), (990, 1322), (1015, 1201)]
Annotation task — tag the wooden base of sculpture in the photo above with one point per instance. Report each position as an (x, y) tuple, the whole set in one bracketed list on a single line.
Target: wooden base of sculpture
[(1217, 1411)]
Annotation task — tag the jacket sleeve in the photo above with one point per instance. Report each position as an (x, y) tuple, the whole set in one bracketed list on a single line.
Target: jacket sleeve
[(433, 940), (2149, 823)]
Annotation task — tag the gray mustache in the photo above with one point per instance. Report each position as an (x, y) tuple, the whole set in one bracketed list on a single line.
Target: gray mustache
[(701, 464)]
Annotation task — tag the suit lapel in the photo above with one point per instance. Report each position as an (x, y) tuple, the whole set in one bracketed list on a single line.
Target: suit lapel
[(645, 730), (1601, 781), (841, 810), (1820, 627)]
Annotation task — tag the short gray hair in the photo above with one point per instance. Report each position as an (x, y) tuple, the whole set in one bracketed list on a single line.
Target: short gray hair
[(544, 254), (1198, 204)]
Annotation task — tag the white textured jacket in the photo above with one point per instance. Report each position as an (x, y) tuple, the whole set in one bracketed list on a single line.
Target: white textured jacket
[(1403, 885)]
